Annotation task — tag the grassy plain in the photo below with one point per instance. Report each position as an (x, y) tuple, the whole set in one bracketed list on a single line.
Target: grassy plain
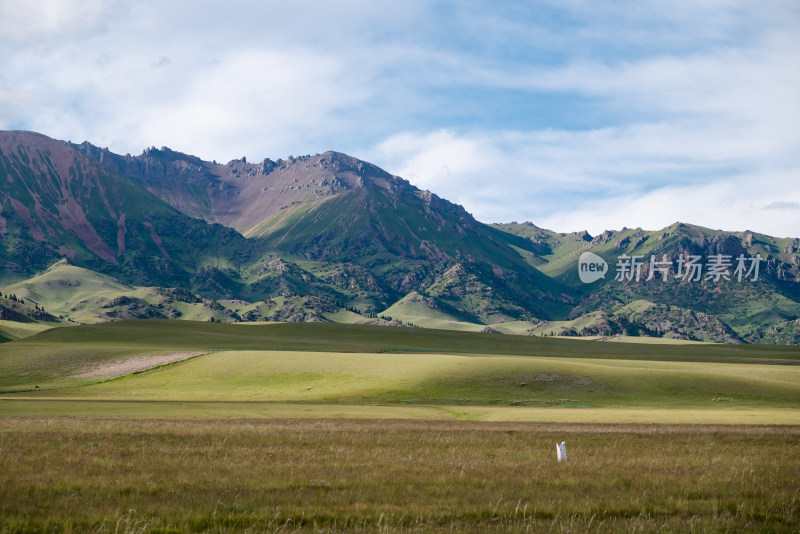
[(394, 476), (346, 428)]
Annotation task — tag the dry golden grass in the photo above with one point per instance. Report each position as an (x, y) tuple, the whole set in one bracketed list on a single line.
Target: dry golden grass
[(394, 476)]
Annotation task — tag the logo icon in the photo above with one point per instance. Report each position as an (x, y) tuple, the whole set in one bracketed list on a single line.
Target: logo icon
[(591, 267)]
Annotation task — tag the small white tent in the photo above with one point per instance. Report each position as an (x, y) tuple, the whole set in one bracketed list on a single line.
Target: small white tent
[(561, 452)]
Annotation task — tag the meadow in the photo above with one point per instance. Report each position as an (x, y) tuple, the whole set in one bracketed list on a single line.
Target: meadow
[(345, 428)]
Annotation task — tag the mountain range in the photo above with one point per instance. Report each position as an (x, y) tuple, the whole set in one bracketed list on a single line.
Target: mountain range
[(89, 235)]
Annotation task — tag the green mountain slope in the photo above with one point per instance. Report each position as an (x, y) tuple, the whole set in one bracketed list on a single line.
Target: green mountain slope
[(750, 307), (335, 209), (411, 240), (56, 203), (785, 333)]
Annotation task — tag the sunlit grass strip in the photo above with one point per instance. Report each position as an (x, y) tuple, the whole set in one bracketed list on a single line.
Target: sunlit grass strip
[(44, 407)]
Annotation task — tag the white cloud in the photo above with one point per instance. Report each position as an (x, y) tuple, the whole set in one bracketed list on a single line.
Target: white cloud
[(252, 99), (736, 204), (22, 21), (253, 102), (643, 175)]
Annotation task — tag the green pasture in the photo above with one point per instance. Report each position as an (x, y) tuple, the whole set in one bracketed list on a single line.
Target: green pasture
[(424, 379), (281, 370)]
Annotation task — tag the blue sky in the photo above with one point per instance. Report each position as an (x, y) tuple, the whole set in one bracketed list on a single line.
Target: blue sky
[(571, 114)]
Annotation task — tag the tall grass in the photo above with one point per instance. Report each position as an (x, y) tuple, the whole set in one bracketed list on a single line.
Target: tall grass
[(393, 476)]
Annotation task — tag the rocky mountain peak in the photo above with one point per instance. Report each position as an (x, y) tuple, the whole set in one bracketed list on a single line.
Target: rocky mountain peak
[(243, 195)]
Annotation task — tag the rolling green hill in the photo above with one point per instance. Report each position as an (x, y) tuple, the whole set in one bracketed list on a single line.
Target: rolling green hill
[(19, 319), (82, 296), (427, 312)]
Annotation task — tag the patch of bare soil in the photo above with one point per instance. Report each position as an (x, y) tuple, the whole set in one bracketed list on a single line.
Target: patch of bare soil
[(140, 363)]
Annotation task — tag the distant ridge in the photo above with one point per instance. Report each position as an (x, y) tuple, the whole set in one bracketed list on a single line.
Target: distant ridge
[(243, 195)]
